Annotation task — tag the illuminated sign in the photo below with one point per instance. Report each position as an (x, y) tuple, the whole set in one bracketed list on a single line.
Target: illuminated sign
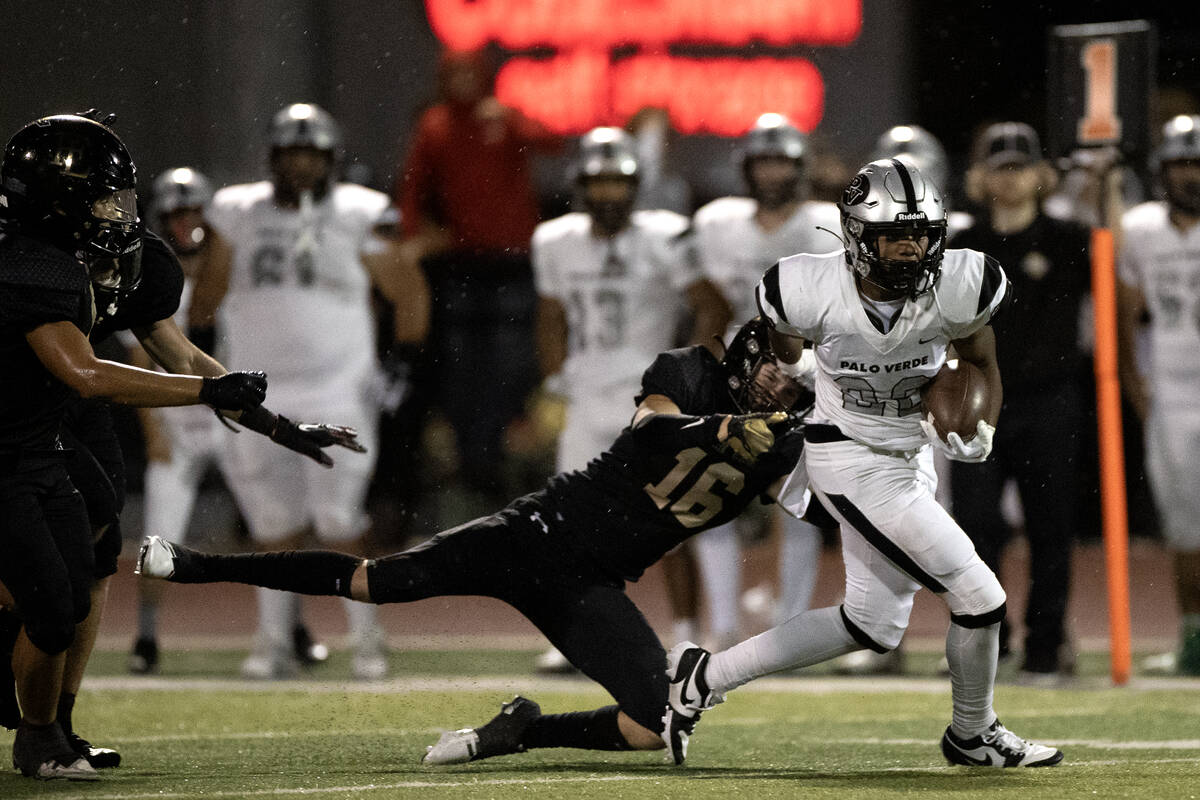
[(582, 82)]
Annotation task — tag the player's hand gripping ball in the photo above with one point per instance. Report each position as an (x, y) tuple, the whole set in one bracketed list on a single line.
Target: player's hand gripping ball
[(955, 404)]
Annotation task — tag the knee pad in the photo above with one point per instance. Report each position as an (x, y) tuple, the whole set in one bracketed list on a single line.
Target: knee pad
[(974, 595), (50, 625), (878, 635)]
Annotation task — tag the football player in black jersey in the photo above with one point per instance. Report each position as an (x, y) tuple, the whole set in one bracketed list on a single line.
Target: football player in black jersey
[(707, 439), (131, 280), (69, 208)]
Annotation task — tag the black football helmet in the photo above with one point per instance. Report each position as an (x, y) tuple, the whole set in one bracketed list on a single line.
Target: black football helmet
[(750, 389), (890, 197), (70, 180)]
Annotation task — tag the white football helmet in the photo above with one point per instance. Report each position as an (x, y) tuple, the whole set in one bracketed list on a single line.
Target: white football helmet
[(894, 198), (608, 152), (1180, 143), (181, 187), (305, 125), (916, 147)]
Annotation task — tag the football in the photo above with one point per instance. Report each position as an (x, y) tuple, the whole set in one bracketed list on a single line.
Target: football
[(957, 398)]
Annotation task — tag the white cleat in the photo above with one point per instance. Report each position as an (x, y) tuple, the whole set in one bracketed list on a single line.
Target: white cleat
[(453, 747), (688, 696), (997, 747), (156, 558), (77, 770)]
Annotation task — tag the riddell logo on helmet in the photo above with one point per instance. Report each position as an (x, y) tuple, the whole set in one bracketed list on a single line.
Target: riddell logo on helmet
[(909, 216)]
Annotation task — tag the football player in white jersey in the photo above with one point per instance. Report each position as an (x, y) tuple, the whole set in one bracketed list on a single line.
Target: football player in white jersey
[(613, 287), (304, 258), (736, 239), (1160, 274), (881, 316)]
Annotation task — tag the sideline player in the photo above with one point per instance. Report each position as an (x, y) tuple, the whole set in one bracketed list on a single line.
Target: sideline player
[(691, 459), (1160, 274), (613, 285), (736, 239), (305, 256), (880, 316)]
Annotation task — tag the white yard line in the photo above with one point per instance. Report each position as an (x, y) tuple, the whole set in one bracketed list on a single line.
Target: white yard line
[(667, 773)]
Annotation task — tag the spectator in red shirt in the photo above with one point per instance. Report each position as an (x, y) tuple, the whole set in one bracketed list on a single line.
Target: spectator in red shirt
[(468, 211)]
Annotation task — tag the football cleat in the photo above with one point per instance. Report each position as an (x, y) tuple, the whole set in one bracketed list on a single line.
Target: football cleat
[(997, 747), (143, 659), (44, 754), (688, 695), (307, 651), (500, 737), (98, 757), (156, 558)]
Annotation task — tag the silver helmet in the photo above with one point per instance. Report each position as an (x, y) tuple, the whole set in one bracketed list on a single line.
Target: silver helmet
[(916, 147), (1180, 139), (773, 135), (305, 125), (181, 187), (607, 151), (1180, 142), (893, 198)]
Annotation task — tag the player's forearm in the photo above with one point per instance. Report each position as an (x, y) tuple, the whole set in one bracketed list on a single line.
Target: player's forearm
[(679, 431), (133, 386)]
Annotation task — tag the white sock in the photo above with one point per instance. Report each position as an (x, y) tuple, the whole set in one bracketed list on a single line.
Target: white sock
[(276, 616), (719, 553), (361, 619), (806, 639), (972, 654), (799, 560)]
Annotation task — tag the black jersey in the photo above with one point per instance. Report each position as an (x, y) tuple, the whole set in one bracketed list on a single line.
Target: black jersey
[(633, 503), (1048, 266), (39, 284), (156, 297)]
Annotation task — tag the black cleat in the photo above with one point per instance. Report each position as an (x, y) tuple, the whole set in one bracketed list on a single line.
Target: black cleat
[(500, 737), (98, 757), (308, 651), (143, 659)]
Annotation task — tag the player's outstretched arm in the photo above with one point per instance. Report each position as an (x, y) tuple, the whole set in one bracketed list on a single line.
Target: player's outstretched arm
[(167, 345), (742, 438), (68, 355)]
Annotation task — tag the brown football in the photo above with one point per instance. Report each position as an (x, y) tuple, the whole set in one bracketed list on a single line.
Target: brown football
[(957, 398)]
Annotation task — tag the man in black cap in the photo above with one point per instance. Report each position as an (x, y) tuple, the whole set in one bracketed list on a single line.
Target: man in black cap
[(1047, 261)]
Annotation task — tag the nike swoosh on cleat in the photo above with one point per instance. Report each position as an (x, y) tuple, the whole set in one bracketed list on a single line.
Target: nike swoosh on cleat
[(986, 761)]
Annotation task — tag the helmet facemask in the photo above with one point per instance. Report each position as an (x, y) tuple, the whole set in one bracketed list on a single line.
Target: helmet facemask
[(755, 381), (911, 277), (774, 194), (1181, 180)]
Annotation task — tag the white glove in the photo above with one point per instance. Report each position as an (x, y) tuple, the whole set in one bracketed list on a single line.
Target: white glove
[(955, 448)]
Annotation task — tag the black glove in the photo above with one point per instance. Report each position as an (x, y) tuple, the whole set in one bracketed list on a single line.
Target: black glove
[(751, 435), (235, 391), (305, 439)]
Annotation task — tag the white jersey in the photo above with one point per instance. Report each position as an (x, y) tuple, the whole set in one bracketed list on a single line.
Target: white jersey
[(869, 383), (1164, 262), (298, 304), (734, 251), (623, 295)]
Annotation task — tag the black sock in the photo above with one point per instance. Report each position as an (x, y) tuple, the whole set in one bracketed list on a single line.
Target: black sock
[(587, 730), (66, 704), (320, 572)]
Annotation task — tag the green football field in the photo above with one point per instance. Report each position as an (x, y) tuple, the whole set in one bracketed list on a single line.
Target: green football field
[(197, 731)]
